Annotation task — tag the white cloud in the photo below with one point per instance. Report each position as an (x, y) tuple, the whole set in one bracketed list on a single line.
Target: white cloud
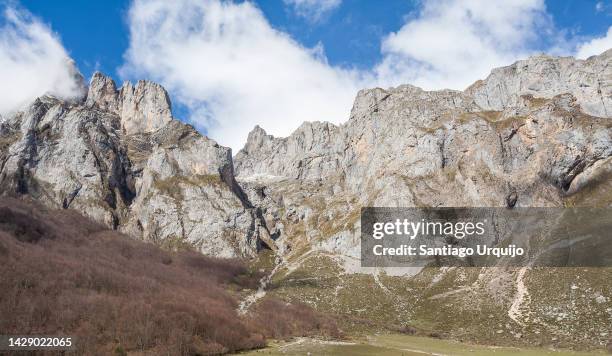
[(226, 63), (452, 43), (233, 70), (595, 46), (599, 6), (313, 10), (33, 62)]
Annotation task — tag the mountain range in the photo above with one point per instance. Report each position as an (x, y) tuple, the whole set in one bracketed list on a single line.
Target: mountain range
[(537, 133)]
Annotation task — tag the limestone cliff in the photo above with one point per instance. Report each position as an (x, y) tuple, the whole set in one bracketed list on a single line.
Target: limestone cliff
[(535, 133), (120, 158)]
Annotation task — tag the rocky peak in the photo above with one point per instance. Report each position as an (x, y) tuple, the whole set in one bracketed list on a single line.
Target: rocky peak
[(415, 140), (102, 92), (309, 146), (257, 138), (535, 133), (146, 105), (589, 81), (143, 108), (120, 158)]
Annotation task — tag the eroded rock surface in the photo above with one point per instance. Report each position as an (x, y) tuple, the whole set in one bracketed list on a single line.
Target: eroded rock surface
[(142, 108), (536, 133), (120, 158)]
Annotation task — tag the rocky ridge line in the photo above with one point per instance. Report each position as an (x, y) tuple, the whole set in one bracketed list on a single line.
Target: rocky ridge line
[(120, 157)]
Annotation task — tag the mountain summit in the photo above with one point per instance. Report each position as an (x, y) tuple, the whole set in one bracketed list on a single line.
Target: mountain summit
[(119, 157)]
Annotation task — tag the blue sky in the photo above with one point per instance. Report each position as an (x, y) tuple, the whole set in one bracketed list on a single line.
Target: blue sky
[(96, 32), (231, 65)]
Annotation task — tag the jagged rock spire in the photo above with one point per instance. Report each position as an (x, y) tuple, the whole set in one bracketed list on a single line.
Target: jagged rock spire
[(142, 108)]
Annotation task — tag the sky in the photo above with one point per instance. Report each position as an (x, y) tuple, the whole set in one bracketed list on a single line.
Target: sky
[(231, 65)]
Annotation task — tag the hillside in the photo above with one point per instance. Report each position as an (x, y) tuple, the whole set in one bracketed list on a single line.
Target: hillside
[(66, 275)]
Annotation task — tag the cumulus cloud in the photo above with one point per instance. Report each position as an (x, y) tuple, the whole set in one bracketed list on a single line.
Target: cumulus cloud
[(452, 43), (33, 62), (595, 46), (313, 10), (233, 70)]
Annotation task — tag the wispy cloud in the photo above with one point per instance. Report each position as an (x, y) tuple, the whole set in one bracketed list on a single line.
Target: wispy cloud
[(313, 10), (33, 62), (595, 46)]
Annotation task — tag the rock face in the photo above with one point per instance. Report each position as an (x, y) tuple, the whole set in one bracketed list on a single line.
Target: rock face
[(528, 130), (536, 133), (142, 108), (589, 81), (120, 158)]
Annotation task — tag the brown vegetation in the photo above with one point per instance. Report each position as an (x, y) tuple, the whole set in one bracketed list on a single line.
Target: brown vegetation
[(279, 320), (65, 275)]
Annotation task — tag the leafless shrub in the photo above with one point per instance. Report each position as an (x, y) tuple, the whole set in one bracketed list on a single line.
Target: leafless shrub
[(407, 330), (64, 275), (280, 320), (435, 335)]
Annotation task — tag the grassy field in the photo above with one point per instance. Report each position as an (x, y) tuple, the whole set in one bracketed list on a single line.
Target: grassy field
[(395, 345)]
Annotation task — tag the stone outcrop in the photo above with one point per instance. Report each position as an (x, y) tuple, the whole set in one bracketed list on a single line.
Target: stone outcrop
[(589, 81), (534, 133), (142, 108), (120, 158), (528, 129)]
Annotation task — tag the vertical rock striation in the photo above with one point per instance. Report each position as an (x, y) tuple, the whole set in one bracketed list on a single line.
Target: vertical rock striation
[(536, 133), (528, 129), (120, 158), (143, 108)]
